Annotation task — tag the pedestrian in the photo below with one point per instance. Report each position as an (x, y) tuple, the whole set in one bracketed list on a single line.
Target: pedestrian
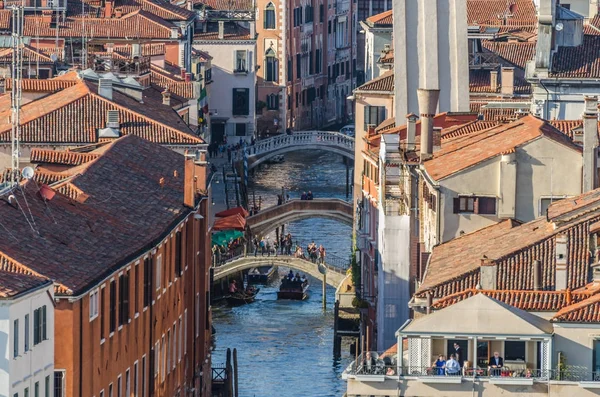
[(303, 196), (321, 254), (262, 246), (287, 198), (229, 154), (268, 246), (255, 243), (309, 196)]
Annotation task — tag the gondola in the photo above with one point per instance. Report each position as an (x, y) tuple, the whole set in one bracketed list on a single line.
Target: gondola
[(294, 290), (242, 298), (261, 275)]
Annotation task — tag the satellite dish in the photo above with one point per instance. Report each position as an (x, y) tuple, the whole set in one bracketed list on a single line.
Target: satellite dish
[(27, 173), (54, 57), (512, 8), (559, 26)]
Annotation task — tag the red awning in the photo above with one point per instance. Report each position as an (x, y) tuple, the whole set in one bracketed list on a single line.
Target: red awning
[(232, 211), (233, 222)]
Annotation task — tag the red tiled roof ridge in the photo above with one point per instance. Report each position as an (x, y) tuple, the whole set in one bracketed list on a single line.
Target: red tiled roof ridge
[(381, 18), (150, 17), (574, 307), (66, 157)]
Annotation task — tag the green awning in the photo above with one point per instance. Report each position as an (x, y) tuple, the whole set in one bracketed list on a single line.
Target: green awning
[(223, 237)]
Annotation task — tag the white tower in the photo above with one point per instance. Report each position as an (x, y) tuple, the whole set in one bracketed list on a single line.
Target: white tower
[(430, 52)]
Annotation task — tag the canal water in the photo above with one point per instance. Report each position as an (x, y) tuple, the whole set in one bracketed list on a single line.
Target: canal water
[(285, 348)]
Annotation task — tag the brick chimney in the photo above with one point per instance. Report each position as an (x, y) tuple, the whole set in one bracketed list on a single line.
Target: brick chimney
[(428, 101), (537, 275), (590, 143), (437, 139), (508, 81), (108, 9), (411, 131), (47, 17), (166, 98)]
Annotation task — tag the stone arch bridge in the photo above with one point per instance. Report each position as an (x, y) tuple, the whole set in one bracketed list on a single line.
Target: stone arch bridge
[(335, 274), (271, 218), (330, 141)]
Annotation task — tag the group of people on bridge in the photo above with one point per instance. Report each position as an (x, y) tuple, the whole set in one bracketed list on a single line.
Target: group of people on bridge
[(313, 252)]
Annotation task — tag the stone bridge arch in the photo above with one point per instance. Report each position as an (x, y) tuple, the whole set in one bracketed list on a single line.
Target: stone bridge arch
[(273, 217), (335, 275), (330, 141)]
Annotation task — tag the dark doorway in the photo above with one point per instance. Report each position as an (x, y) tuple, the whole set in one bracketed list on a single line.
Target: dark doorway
[(217, 132), (463, 351)]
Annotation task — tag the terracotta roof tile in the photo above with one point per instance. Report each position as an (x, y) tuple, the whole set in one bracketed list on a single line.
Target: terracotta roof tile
[(160, 8), (12, 283), (386, 125), (485, 12), (504, 114), (139, 24), (458, 155), (465, 129), (173, 82), (66, 157), (381, 20), (5, 19), (76, 113), (42, 85), (387, 57), (148, 49), (30, 54), (589, 201), (385, 82), (586, 311), (515, 53), (454, 266), (232, 31), (77, 245), (538, 301), (226, 4), (578, 62)]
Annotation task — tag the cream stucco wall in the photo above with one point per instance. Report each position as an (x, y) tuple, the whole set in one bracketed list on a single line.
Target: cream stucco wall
[(545, 168), (576, 342)]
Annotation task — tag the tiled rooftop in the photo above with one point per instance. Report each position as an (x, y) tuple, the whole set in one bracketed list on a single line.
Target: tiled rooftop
[(14, 283), (66, 157), (125, 209), (226, 4), (232, 31), (383, 19), (173, 82), (76, 113), (454, 266), (486, 12), (385, 82), (160, 8), (578, 62), (147, 49), (474, 148), (515, 53), (42, 85), (586, 311), (480, 83)]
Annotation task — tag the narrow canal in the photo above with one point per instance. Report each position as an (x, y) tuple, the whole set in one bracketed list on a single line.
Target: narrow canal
[(285, 348)]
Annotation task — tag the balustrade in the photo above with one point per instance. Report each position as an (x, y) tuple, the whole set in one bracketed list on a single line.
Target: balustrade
[(325, 138)]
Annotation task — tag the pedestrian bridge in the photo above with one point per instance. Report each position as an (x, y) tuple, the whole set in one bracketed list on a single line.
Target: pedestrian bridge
[(330, 141), (273, 217), (335, 275)]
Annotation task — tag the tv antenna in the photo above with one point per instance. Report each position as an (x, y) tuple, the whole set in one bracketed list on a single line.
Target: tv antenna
[(15, 97)]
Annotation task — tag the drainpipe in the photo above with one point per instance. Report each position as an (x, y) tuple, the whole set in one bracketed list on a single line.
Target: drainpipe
[(81, 347), (547, 98)]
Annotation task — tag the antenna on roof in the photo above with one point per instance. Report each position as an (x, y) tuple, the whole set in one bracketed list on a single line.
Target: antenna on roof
[(15, 98)]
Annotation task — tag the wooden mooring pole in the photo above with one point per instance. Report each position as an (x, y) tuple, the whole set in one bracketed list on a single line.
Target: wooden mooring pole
[(325, 290)]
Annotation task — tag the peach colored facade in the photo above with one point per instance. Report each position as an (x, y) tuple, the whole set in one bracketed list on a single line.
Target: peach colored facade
[(161, 348)]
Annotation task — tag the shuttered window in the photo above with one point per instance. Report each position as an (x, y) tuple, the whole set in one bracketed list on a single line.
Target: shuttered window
[(475, 205), (374, 115)]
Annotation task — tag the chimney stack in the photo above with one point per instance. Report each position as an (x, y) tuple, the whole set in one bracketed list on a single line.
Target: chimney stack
[(136, 50), (166, 97), (508, 81), (590, 143), (537, 275), (428, 101), (560, 261), (494, 80), (488, 274), (188, 77), (411, 131), (47, 17), (221, 30), (108, 9), (105, 88)]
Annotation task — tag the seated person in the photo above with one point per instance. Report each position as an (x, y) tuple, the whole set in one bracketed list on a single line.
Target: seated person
[(303, 279), (496, 364), (452, 366), (291, 275)]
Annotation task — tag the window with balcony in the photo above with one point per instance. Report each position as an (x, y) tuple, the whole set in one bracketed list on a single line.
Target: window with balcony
[(475, 205), (241, 61), (269, 16), (271, 65), (241, 102)]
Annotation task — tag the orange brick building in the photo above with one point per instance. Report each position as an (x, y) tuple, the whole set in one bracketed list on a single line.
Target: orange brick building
[(125, 240)]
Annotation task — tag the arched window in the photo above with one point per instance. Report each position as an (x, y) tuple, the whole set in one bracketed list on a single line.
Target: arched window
[(271, 65), (272, 101), (270, 16)]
